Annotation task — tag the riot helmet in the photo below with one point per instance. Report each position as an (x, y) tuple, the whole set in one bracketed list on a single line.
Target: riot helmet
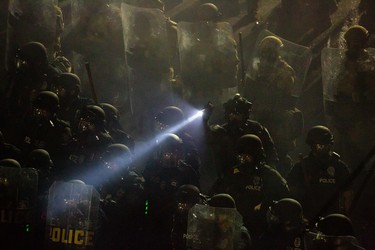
[(249, 149), (40, 159), (90, 118), (77, 181), (286, 214), (222, 200), (131, 189), (335, 225), (45, 105), (208, 12), (32, 58), (186, 197), (10, 163), (236, 108), (320, 140), (117, 157), (67, 85), (269, 48), (356, 37), (170, 116), (112, 114), (170, 150), (319, 135)]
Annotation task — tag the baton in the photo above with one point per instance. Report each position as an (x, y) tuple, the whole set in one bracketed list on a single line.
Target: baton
[(242, 64), (91, 83)]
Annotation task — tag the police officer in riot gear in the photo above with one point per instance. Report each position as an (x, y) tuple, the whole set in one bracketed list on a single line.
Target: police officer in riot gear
[(223, 138), (44, 130), (117, 161), (209, 60), (286, 226), (186, 197), (114, 127), (253, 184), (172, 120), (270, 90), (353, 110), (42, 162), (122, 191), (33, 74), (241, 237), (90, 139), (68, 87), (315, 179), (164, 175), (336, 232)]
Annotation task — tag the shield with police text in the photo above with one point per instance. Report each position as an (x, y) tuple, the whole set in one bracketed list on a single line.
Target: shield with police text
[(314, 241), (32, 20), (298, 57), (18, 201), (207, 51), (72, 216), (212, 227)]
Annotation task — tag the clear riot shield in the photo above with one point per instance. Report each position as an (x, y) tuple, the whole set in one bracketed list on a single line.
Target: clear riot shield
[(147, 53), (317, 241), (94, 36), (18, 201), (332, 66), (72, 216), (212, 227), (297, 56), (208, 49), (31, 20)]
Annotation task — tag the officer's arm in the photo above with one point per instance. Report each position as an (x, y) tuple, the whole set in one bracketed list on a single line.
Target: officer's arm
[(347, 198), (295, 181), (287, 80), (269, 147)]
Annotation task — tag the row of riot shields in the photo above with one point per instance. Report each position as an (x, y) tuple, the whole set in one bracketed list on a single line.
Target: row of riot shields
[(30, 20), (219, 228), (72, 218), (109, 37), (72, 212)]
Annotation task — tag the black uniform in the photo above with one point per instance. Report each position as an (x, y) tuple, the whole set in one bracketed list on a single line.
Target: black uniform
[(254, 190), (313, 182), (161, 187)]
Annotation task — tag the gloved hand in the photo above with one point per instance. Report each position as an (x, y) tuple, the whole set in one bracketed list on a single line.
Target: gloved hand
[(208, 109)]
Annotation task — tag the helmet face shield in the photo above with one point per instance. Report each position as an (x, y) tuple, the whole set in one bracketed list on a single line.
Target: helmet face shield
[(245, 159), (322, 150), (169, 159), (160, 127), (287, 225), (60, 91), (40, 114), (85, 125)]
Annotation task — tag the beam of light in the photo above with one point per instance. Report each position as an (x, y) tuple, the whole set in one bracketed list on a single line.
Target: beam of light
[(95, 175)]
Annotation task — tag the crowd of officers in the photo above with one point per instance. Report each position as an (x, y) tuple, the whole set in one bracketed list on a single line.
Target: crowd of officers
[(146, 193)]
